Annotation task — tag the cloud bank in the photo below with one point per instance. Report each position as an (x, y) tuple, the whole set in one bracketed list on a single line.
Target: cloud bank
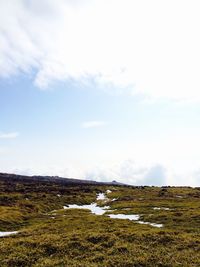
[(127, 171), (9, 135), (151, 47)]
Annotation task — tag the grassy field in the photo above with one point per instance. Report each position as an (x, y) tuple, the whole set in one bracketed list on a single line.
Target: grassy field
[(51, 236)]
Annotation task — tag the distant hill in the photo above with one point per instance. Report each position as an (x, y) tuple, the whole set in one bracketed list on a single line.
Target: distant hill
[(54, 179)]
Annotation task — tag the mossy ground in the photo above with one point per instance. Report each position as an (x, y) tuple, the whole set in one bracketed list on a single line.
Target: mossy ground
[(52, 236)]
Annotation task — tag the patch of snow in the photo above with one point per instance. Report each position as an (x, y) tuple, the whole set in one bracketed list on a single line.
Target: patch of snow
[(102, 210), (101, 196), (2, 234), (108, 191), (133, 217), (152, 224), (92, 207), (161, 208), (58, 195)]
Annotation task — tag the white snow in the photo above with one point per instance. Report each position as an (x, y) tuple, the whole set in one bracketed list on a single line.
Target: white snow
[(102, 210), (133, 217), (2, 234), (161, 208), (101, 196), (92, 207), (159, 225)]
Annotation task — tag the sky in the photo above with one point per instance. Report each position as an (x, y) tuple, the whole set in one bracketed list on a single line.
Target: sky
[(101, 89)]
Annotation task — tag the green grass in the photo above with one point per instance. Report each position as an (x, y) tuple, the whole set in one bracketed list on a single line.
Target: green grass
[(79, 238)]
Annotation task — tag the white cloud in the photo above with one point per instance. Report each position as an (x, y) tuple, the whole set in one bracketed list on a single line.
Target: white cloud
[(8, 135), (133, 173), (3, 150), (149, 46), (93, 124), (156, 175), (127, 171)]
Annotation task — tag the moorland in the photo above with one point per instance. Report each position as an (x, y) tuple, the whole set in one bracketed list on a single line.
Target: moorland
[(49, 235)]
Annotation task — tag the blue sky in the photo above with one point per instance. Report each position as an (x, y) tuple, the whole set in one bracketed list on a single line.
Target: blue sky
[(85, 96)]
